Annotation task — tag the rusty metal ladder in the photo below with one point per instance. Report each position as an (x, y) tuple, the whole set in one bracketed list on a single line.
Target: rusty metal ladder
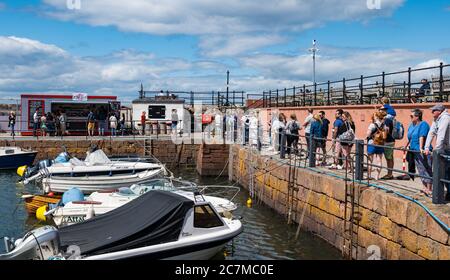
[(352, 216)]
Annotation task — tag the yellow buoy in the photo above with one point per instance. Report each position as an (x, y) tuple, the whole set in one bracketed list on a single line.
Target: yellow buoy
[(21, 170), (40, 213), (249, 202)]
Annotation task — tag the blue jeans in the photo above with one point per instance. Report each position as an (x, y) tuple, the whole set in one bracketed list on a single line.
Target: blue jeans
[(12, 130), (113, 131)]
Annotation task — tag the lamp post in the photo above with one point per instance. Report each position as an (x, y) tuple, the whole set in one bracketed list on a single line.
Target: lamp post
[(314, 49), (228, 82)]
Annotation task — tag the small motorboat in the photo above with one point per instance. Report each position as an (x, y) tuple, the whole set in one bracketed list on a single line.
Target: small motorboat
[(13, 157), (156, 225), (96, 173), (74, 207)]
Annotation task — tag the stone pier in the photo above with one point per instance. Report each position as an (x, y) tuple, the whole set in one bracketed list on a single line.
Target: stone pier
[(397, 227)]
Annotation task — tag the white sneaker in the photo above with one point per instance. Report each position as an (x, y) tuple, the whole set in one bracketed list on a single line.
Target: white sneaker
[(333, 166), (339, 167)]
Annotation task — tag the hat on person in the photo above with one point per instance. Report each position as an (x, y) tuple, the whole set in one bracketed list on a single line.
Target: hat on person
[(438, 107)]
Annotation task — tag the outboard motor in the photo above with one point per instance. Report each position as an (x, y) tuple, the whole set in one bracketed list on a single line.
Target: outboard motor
[(38, 244)]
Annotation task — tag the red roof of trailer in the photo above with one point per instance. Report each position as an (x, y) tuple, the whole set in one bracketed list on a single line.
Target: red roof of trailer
[(60, 96)]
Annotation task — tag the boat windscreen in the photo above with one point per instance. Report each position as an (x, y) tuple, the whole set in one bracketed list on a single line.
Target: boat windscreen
[(153, 218)]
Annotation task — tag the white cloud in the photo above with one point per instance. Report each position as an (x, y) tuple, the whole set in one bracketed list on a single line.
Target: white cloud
[(216, 17), (219, 46), (349, 65), (31, 66)]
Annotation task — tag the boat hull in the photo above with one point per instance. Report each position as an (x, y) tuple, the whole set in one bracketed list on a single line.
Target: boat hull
[(13, 161), (198, 251), (97, 183)]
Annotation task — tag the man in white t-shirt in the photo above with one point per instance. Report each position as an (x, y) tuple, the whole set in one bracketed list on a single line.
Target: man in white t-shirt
[(36, 119), (307, 125)]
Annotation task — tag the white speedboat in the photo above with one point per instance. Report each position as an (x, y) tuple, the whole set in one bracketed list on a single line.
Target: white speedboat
[(156, 225), (68, 212), (13, 157), (96, 173)]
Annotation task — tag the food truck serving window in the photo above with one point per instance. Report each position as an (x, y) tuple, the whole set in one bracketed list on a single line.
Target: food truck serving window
[(32, 106), (156, 112)]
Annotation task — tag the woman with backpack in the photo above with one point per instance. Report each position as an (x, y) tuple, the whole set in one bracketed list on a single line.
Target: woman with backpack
[(346, 137), (376, 135), (292, 129)]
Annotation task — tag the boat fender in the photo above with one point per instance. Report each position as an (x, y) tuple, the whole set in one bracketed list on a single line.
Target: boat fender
[(249, 202), (40, 213), (74, 194), (21, 170)]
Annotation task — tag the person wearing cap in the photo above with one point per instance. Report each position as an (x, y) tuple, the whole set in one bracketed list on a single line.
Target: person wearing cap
[(390, 111), (439, 129)]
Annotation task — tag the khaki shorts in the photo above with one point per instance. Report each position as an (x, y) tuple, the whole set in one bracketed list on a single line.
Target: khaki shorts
[(91, 126), (389, 152)]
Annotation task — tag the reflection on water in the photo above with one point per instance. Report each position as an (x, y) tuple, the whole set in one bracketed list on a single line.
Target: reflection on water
[(266, 234)]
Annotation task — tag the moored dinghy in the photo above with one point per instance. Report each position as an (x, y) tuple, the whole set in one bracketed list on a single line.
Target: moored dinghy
[(156, 225), (96, 173), (70, 211)]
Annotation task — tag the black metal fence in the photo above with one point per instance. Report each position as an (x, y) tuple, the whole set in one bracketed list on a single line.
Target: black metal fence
[(401, 87), (215, 98)]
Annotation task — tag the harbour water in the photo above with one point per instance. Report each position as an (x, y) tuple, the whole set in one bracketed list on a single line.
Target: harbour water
[(266, 234)]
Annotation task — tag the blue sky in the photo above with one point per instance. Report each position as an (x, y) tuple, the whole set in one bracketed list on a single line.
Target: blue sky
[(110, 47)]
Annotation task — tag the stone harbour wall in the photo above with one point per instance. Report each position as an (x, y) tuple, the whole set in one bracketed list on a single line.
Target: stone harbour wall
[(400, 228), (213, 159), (165, 150)]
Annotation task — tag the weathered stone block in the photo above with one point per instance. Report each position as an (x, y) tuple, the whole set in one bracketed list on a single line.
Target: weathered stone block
[(409, 240), (367, 199), (405, 254), (393, 250), (435, 231), (334, 207), (327, 233), (416, 219), (427, 248), (380, 203), (388, 229), (444, 252), (369, 219), (366, 239), (397, 209)]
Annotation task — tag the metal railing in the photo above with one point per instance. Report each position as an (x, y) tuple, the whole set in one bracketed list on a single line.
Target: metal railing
[(403, 87), (214, 98), (359, 163)]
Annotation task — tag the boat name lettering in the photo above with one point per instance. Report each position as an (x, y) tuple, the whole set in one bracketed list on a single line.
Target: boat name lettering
[(74, 219)]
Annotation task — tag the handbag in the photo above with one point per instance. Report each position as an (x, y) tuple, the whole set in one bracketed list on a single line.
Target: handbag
[(348, 135)]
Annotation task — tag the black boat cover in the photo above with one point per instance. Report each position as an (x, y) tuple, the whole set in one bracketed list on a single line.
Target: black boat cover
[(153, 218)]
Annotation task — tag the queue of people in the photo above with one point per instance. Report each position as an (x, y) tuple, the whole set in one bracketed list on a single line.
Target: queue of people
[(380, 140), (49, 124)]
